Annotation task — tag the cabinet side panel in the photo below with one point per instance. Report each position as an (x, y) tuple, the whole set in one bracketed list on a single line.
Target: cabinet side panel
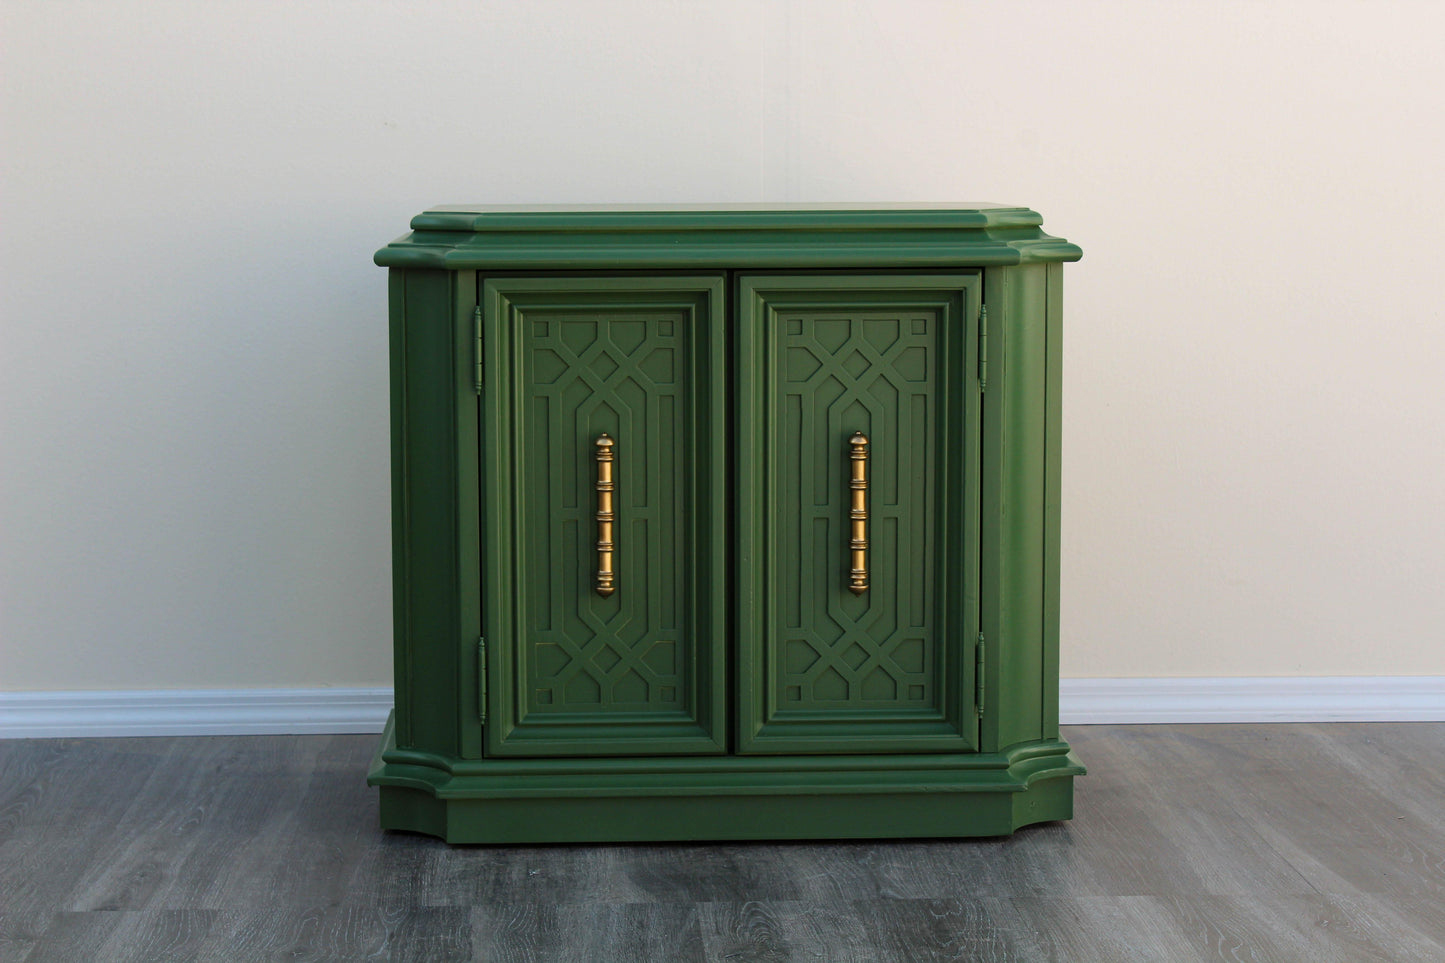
[(1053, 411), (400, 584), (468, 545), (429, 547), (1020, 402)]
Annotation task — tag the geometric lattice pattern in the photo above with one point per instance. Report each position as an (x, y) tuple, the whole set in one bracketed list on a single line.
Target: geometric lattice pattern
[(875, 372), (623, 373)]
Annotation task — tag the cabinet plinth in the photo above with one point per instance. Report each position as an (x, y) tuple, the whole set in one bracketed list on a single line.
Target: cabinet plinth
[(699, 524)]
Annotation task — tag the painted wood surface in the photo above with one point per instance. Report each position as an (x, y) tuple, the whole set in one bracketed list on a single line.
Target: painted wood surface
[(719, 625), (800, 236), (640, 669), (822, 669)]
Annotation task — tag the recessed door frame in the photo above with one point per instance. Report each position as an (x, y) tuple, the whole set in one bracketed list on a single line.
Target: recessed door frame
[(698, 725), (948, 722)]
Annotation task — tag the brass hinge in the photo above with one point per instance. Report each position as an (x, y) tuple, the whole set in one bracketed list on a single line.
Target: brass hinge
[(482, 680), (982, 347), (477, 333), (978, 676)]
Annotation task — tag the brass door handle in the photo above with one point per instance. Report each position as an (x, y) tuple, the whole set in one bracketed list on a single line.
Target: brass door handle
[(858, 513), (606, 578)]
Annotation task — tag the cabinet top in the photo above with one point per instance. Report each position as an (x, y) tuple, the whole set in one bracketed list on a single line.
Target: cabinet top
[(524, 236)]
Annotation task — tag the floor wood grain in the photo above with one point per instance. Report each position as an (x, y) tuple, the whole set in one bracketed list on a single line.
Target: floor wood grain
[(1299, 842)]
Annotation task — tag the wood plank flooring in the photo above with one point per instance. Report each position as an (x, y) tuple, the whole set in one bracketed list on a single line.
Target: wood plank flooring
[(1278, 842)]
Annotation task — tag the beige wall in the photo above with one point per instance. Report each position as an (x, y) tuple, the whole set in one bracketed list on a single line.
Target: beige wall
[(193, 469)]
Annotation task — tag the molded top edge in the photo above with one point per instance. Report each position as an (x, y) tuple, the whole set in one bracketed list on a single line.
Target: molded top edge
[(718, 208), (643, 217), (550, 236)]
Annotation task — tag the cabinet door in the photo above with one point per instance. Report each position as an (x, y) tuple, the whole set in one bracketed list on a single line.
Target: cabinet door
[(826, 665), (603, 397)]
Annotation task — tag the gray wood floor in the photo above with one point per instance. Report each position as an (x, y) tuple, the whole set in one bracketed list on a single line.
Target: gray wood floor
[(1229, 842)]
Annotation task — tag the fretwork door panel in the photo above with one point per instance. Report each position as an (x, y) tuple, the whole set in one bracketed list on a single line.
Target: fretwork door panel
[(605, 426), (858, 505)]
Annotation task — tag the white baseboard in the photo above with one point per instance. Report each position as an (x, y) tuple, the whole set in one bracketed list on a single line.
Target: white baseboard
[(192, 712), (225, 712), (1310, 699)]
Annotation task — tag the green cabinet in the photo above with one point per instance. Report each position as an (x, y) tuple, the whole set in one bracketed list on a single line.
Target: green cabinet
[(725, 523)]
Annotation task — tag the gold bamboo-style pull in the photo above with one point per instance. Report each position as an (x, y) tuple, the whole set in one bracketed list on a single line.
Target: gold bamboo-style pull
[(606, 578), (858, 513)]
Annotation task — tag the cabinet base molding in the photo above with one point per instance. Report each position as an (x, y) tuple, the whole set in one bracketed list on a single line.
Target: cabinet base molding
[(682, 798)]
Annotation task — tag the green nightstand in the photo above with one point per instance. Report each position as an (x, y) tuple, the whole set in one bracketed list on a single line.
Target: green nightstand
[(725, 522)]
